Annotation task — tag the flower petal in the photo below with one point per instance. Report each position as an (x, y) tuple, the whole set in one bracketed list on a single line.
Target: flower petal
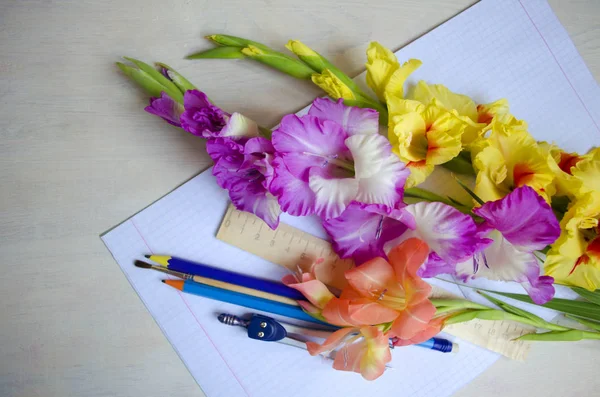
[(337, 312), (305, 142), (445, 98), (368, 357), (251, 196), (315, 291), (368, 153), (433, 328), (331, 195), (395, 86), (372, 278), (293, 194), (330, 343), (166, 108), (524, 219), (352, 119), (361, 231), (503, 261), (381, 181), (201, 117), (407, 258), (369, 312), (413, 320), (442, 147), (240, 126), (448, 232)]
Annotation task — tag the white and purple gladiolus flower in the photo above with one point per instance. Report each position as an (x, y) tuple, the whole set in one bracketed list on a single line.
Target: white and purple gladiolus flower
[(515, 226), (332, 157), (363, 232)]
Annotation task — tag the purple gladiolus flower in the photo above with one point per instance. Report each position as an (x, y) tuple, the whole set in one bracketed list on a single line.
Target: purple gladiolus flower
[(331, 157), (204, 119), (166, 108), (243, 167), (517, 225)]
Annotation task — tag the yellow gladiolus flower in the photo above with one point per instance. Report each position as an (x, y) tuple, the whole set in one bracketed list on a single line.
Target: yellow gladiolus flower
[(463, 106), (560, 162), (332, 85), (384, 73), (575, 257), (504, 162), (587, 170), (423, 136)]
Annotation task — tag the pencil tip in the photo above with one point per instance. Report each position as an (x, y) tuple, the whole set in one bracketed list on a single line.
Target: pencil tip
[(162, 281), (147, 256), (142, 264)]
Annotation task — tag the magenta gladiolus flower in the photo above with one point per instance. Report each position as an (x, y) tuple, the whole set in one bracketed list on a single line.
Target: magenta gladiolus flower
[(516, 225), (331, 157), (166, 108), (204, 119), (243, 167)]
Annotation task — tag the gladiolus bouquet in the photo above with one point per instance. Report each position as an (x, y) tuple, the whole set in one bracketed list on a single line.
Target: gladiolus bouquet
[(532, 220)]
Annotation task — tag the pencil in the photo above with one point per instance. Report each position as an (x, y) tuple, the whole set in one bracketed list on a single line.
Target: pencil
[(236, 298), (220, 284), (198, 269)]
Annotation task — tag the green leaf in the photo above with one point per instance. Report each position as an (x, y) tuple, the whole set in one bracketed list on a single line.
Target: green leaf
[(460, 166), (561, 336), (467, 315), (234, 41), (143, 79), (540, 322), (590, 324), (582, 309), (471, 193), (457, 304), (170, 87), (219, 53), (181, 82), (591, 296)]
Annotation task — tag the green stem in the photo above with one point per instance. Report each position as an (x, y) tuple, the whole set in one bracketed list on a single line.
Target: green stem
[(460, 165), (426, 195)]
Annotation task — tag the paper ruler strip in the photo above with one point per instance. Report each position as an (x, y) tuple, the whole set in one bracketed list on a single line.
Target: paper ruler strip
[(287, 246)]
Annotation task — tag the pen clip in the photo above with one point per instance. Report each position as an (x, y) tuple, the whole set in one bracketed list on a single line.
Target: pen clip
[(265, 328)]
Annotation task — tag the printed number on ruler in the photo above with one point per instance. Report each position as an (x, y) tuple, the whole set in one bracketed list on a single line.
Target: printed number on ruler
[(285, 246)]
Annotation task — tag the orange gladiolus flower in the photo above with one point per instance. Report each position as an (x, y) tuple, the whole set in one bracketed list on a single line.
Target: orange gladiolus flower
[(380, 295)]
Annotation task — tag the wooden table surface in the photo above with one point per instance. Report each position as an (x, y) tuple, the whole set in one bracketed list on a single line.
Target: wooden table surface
[(78, 155)]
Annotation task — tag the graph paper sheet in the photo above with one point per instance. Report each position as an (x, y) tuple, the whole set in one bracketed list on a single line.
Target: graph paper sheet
[(495, 49)]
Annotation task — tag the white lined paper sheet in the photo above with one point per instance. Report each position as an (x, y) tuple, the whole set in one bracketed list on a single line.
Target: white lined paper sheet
[(495, 49)]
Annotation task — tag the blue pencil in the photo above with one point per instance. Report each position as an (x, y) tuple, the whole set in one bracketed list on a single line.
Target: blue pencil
[(198, 269), (240, 299), (265, 305)]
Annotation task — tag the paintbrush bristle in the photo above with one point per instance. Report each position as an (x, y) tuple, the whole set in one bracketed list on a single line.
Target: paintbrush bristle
[(142, 264)]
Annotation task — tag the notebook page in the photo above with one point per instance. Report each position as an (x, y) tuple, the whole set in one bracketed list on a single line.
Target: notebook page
[(221, 358), (495, 49)]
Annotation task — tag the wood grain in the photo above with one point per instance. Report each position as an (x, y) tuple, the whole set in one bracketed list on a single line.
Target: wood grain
[(78, 155)]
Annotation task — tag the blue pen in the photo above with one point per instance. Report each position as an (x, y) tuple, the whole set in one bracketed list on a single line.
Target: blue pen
[(268, 329), (198, 269)]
